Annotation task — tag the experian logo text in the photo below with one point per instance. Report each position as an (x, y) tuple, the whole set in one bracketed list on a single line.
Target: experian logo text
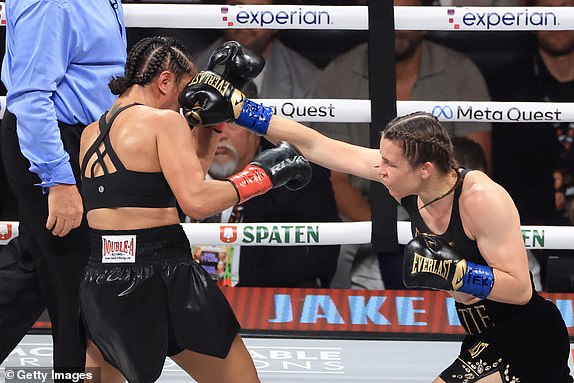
[(490, 20), (262, 18)]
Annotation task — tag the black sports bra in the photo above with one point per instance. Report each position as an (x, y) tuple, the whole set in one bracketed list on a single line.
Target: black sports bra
[(124, 187), (454, 234)]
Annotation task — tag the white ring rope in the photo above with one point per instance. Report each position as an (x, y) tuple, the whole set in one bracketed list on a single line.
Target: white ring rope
[(345, 110), (346, 17), (321, 233)]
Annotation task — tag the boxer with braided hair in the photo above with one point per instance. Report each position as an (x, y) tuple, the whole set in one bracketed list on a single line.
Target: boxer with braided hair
[(142, 296), (466, 228), (148, 58)]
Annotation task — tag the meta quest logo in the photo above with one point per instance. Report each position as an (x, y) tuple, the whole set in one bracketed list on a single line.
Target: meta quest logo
[(495, 113)]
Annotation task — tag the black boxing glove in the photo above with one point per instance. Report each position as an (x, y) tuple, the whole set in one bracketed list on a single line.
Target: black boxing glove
[(235, 63), (210, 99), (430, 262), (282, 165)]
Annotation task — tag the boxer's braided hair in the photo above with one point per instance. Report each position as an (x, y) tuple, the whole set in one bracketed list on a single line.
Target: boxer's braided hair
[(149, 57), (423, 139)]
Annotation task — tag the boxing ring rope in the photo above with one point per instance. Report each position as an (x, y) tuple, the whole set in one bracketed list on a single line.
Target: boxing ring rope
[(322, 233), (339, 110), (348, 110), (346, 17)]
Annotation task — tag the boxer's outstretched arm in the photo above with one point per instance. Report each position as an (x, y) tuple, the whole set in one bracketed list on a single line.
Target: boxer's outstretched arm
[(332, 154), (209, 99)]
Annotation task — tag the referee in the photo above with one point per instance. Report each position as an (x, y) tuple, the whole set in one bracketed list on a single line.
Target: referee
[(60, 54)]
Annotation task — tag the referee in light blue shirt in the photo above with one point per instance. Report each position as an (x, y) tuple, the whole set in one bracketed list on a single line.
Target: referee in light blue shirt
[(60, 56)]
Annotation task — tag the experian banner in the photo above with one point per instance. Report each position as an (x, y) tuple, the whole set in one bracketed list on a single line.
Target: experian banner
[(294, 17), (484, 18), (313, 17), (212, 16)]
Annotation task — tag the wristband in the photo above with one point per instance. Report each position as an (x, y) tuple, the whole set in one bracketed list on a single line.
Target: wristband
[(250, 182), (477, 280), (255, 117)]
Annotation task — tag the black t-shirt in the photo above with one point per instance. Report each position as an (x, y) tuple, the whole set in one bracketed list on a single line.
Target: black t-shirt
[(525, 155)]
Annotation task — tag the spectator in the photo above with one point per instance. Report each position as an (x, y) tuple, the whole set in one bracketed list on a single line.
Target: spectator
[(286, 75), (59, 57), (571, 214), (535, 161), (283, 266), (424, 71), (469, 154)]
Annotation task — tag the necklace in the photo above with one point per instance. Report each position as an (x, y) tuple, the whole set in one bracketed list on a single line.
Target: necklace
[(445, 194)]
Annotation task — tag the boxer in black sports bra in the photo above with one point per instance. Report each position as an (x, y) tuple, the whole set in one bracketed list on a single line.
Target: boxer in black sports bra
[(467, 237), (497, 333), (142, 296)]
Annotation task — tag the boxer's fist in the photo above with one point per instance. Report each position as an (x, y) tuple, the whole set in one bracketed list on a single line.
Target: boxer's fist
[(430, 262), (281, 166), (210, 99), (285, 165), (235, 63)]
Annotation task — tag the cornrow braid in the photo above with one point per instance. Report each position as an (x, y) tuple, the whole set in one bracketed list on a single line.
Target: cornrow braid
[(180, 59), (149, 57), (423, 139), (408, 136)]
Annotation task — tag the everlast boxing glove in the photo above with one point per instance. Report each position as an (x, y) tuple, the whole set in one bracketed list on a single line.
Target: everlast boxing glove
[(210, 99), (431, 263), (234, 63), (282, 165)]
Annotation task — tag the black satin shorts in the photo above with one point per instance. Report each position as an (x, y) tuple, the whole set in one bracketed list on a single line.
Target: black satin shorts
[(143, 298)]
